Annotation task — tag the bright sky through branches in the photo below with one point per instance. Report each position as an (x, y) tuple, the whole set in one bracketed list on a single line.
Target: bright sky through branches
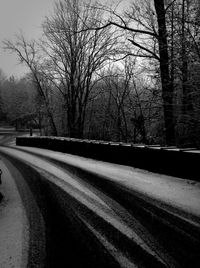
[(16, 15), (25, 16)]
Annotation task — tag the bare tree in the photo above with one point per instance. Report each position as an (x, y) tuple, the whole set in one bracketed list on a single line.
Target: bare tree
[(167, 88), (18, 102), (183, 32), (28, 53), (75, 56), (2, 80), (145, 29), (117, 84)]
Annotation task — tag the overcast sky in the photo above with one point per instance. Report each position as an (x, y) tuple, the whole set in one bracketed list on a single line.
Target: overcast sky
[(27, 16), (16, 15)]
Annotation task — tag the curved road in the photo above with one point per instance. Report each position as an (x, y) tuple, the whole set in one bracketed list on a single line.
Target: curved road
[(83, 213)]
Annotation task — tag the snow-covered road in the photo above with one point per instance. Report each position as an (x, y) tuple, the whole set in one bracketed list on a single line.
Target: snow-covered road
[(119, 206), (181, 194), (13, 224), (97, 203), (21, 223)]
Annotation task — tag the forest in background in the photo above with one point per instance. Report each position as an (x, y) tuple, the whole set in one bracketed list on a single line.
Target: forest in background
[(100, 72)]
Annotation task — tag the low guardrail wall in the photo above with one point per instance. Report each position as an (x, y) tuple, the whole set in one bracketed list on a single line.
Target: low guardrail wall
[(183, 163)]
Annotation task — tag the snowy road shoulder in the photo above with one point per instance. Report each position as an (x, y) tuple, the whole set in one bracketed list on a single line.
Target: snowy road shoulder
[(13, 224), (133, 189), (179, 193)]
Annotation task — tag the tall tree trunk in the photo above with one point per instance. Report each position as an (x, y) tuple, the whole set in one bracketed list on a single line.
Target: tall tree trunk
[(167, 89), (52, 124), (184, 62), (125, 125), (40, 123), (172, 48), (75, 123)]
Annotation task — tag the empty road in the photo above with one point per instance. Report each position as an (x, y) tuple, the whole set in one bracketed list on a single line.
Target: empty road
[(68, 211)]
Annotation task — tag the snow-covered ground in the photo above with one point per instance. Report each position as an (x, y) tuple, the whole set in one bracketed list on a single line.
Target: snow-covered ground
[(13, 224), (170, 192), (95, 202), (184, 195)]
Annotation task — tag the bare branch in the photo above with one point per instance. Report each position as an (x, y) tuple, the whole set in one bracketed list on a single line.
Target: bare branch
[(144, 48), (125, 27)]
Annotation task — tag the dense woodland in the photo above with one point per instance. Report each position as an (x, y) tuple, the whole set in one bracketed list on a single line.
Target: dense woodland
[(104, 72)]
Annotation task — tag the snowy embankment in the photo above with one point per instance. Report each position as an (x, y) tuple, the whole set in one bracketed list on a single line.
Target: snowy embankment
[(181, 195), (170, 201), (99, 214), (172, 161)]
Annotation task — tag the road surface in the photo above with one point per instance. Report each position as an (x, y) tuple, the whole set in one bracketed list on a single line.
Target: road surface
[(77, 212)]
